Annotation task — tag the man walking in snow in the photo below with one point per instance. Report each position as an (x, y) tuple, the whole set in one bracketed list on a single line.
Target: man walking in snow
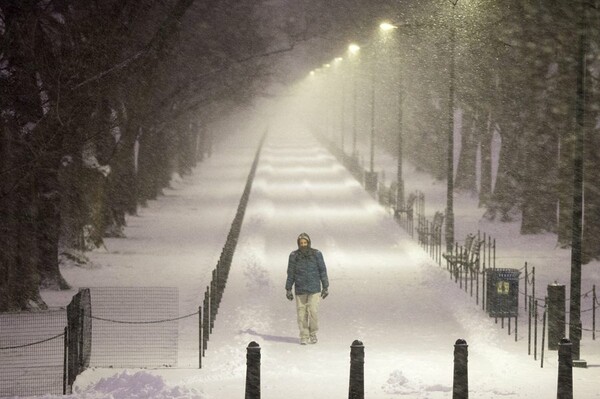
[(307, 272)]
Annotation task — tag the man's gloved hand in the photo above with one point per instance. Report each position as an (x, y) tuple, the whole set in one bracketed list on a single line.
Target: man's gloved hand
[(324, 293), (289, 295)]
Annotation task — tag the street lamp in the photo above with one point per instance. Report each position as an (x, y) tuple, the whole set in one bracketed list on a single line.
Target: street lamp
[(371, 176), (450, 159), (372, 141), (353, 50), (337, 62), (576, 232), (387, 27), (327, 88)]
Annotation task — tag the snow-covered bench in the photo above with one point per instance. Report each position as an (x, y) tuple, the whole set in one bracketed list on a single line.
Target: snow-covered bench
[(430, 234), (467, 256), (407, 208)]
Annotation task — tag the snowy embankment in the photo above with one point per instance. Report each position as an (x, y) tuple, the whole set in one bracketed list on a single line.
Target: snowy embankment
[(384, 291)]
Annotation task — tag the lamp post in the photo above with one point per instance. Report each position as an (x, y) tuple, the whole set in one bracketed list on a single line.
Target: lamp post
[(338, 61), (371, 176), (372, 137), (353, 50), (450, 159), (328, 94), (386, 27), (399, 179), (576, 235)]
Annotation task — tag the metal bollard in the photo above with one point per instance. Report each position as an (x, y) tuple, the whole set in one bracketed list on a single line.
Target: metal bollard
[(460, 386), (357, 371), (253, 371), (565, 370)]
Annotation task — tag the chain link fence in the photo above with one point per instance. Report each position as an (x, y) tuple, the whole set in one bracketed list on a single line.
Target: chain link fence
[(134, 326), (32, 351)]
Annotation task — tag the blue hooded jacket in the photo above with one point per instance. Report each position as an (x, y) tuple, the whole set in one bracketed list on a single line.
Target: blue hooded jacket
[(306, 270)]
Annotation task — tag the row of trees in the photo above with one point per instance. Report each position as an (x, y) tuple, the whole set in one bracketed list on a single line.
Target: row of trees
[(515, 80), (101, 102)]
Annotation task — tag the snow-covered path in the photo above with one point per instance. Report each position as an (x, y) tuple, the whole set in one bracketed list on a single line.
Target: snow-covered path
[(384, 290)]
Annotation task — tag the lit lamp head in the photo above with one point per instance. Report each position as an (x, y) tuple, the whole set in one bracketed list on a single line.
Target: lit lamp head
[(386, 26)]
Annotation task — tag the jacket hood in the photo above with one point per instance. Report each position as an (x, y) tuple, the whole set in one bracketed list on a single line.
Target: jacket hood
[(306, 237)]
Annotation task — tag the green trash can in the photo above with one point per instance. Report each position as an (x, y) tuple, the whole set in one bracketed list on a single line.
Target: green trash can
[(502, 292)]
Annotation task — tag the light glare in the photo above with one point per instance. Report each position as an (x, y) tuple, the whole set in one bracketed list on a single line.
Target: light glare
[(353, 48), (385, 26)]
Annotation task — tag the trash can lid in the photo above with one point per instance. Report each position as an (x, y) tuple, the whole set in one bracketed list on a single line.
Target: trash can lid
[(505, 272)]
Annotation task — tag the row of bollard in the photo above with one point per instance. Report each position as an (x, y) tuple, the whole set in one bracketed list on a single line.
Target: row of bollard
[(460, 381), (213, 295)]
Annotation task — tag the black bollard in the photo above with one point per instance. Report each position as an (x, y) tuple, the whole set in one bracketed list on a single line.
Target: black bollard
[(565, 370), (357, 371), (460, 387), (253, 371)]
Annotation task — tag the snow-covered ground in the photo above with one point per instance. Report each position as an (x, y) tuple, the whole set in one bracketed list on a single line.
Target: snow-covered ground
[(384, 289)]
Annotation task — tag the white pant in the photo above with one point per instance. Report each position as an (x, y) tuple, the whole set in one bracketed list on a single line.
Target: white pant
[(307, 306)]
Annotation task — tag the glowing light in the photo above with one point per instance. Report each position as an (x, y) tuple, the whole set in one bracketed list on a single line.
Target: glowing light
[(353, 48), (385, 26)]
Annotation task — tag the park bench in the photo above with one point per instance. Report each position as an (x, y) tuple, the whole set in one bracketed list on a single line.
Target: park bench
[(466, 257), (407, 208), (430, 234)]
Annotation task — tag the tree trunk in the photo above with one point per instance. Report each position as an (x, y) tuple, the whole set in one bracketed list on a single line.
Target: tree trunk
[(19, 278), (539, 178), (122, 184), (49, 221), (152, 165), (465, 173), (504, 203), (486, 135)]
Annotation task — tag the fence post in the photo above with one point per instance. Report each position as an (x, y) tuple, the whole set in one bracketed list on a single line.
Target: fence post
[(200, 342), (483, 287), (460, 386), (253, 371), (526, 285), (565, 370), (516, 326), (206, 331), (529, 327), (533, 282), (535, 329), (556, 314), (544, 329), (213, 302), (357, 371), (65, 360)]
